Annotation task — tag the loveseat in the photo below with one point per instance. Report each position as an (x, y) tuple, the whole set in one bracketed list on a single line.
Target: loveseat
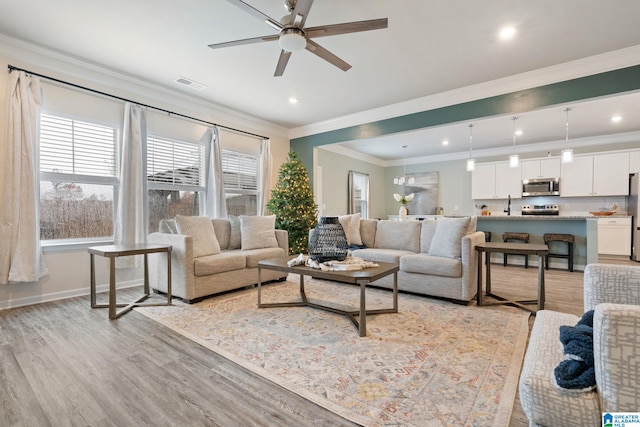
[(613, 292), (210, 256), (436, 257)]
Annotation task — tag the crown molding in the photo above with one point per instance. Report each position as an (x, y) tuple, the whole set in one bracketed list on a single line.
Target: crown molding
[(49, 61), (553, 74), (339, 149), (592, 141)]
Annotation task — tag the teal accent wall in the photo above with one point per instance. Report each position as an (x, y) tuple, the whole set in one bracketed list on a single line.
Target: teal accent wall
[(602, 84)]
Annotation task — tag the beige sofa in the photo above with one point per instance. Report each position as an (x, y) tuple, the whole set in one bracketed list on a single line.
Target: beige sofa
[(436, 257), (613, 291), (200, 268)]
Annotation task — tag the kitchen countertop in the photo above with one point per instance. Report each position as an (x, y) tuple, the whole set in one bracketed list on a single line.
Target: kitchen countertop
[(545, 217)]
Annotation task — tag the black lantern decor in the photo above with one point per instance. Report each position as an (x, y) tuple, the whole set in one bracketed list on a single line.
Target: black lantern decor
[(328, 241)]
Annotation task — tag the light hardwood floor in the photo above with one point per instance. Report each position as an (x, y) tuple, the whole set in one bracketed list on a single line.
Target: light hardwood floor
[(64, 364)]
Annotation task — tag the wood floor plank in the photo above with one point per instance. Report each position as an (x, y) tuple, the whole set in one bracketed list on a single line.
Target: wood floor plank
[(64, 364), (18, 403)]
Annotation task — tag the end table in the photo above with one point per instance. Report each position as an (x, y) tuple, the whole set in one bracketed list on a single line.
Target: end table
[(114, 251)]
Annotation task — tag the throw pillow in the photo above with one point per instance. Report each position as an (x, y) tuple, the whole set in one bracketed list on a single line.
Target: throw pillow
[(201, 230), (427, 232), (446, 240), (399, 235), (258, 232), (351, 226), (235, 241)]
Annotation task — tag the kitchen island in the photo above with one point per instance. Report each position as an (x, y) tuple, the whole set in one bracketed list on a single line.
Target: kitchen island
[(584, 228)]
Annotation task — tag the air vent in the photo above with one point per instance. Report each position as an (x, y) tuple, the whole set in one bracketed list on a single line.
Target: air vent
[(190, 83)]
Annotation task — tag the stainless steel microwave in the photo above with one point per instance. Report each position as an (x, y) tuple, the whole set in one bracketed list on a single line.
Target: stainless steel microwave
[(541, 187)]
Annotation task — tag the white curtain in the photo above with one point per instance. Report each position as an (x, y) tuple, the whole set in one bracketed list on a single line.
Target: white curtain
[(20, 253), (215, 205), (266, 164), (131, 224)]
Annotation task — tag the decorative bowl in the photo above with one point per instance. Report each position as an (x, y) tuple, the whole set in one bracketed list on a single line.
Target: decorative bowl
[(602, 213)]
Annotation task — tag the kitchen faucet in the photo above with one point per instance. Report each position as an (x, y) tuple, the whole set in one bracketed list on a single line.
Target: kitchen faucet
[(508, 210)]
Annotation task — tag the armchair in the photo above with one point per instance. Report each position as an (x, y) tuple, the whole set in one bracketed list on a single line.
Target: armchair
[(613, 291)]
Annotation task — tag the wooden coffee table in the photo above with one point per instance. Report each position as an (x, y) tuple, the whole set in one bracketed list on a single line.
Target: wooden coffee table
[(357, 277)]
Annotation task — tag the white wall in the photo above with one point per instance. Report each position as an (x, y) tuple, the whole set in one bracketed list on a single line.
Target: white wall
[(335, 170), (69, 270)]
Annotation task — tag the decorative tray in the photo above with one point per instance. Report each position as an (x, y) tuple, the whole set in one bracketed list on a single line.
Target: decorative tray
[(602, 213)]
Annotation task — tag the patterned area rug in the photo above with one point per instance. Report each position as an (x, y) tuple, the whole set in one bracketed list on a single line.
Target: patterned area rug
[(433, 363)]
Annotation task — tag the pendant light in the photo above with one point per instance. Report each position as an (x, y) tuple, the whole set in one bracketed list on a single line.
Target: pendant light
[(567, 153), (471, 163), (404, 179), (514, 159)]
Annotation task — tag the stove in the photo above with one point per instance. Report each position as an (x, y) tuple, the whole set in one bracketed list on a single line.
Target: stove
[(540, 210)]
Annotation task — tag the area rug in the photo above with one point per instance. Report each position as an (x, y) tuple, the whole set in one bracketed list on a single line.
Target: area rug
[(434, 363)]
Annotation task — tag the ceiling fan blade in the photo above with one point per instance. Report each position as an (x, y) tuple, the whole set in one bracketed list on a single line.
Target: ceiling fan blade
[(347, 27), (323, 53), (244, 41), (273, 23), (282, 63), (300, 12)]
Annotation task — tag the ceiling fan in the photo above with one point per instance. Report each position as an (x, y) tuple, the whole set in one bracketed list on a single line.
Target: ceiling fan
[(293, 36)]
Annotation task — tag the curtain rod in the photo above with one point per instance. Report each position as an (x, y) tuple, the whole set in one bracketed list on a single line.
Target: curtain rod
[(11, 68)]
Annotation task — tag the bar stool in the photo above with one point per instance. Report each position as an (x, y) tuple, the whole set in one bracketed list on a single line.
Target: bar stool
[(487, 238), (522, 237), (568, 239)]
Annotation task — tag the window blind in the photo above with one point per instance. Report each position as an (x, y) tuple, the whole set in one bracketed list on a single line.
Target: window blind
[(75, 147), (174, 162), (240, 171)]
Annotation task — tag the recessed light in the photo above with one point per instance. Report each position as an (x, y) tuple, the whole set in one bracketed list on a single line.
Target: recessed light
[(616, 119), (507, 32), (445, 142), (293, 100)]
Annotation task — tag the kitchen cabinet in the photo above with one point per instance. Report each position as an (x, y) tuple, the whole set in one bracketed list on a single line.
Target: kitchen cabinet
[(596, 175), (614, 236), (496, 181), (634, 162), (544, 168)]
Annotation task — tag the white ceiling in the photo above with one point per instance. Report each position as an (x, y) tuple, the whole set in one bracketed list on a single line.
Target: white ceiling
[(429, 48)]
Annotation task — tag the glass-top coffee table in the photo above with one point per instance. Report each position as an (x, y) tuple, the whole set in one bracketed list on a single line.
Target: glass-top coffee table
[(356, 277)]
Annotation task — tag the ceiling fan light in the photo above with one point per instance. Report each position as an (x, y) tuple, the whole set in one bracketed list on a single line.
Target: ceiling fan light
[(292, 40)]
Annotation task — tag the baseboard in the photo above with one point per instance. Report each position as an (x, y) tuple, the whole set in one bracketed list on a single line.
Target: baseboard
[(55, 296)]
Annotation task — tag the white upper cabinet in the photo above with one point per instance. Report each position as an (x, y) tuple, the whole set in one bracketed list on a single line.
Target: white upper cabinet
[(496, 181), (576, 178), (483, 182), (597, 175), (545, 168), (611, 174), (508, 181), (634, 162)]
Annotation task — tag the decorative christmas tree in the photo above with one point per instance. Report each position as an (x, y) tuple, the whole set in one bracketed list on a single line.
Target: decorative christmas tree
[(292, 203)]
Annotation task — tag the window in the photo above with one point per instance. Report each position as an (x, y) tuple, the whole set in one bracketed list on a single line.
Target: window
[(240, 176), (78, 179), (360, 194), (175, 178)]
